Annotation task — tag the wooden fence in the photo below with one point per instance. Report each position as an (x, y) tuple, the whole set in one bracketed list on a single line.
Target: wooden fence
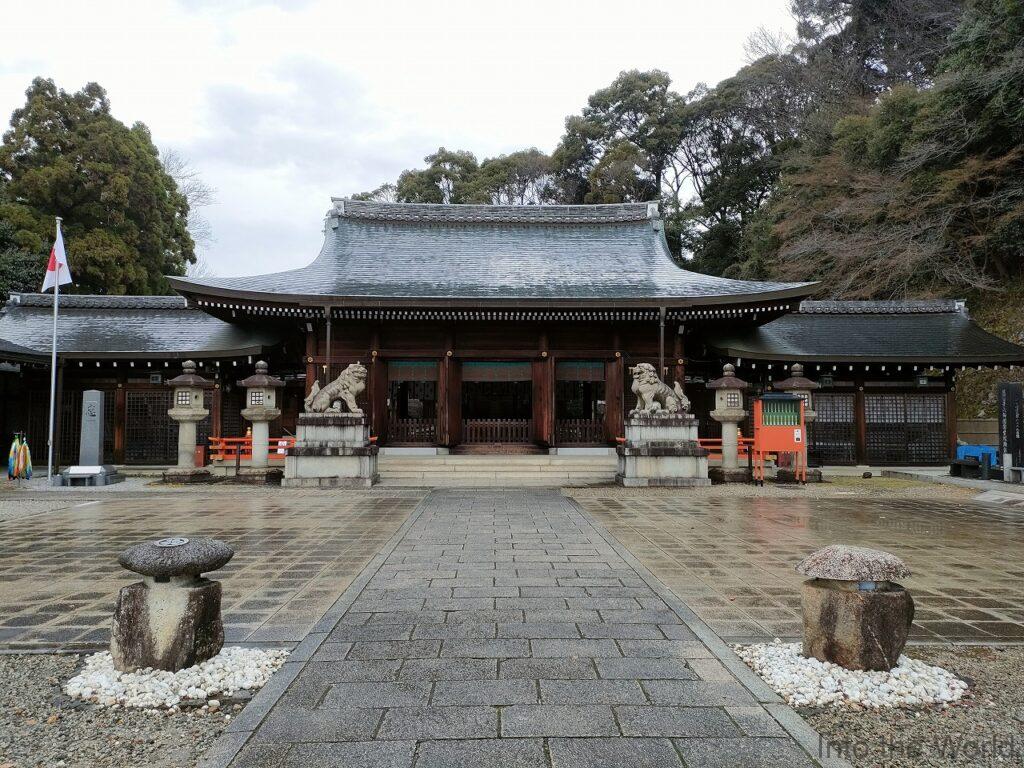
[(497, 430)]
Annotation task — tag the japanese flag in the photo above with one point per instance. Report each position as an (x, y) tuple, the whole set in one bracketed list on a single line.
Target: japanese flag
[(57, 272)]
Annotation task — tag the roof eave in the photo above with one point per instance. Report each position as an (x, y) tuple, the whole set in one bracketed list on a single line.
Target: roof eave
[(197, 290), (746, 354)]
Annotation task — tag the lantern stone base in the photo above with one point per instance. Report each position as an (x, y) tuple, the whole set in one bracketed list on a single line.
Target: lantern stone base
[(258, 476), (786, 475), (720, 475), (662, 450), (166, 625), (332, 450), (863, 630), (185, 475)]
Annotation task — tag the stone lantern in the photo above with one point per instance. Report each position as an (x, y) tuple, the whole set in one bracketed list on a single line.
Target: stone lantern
[(729, 413), (802, 387), (187, 410), (261, 409), (171, 619), (855, 614)]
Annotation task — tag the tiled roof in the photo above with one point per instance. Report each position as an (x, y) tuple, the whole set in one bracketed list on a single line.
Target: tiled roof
[(905, 307), (126, 326), (908, 332), (10, 351), (492, 255), (71, 301)]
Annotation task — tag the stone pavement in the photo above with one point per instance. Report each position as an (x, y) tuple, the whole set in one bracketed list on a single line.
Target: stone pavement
[(296, 552), (506, 629), (732, 560)]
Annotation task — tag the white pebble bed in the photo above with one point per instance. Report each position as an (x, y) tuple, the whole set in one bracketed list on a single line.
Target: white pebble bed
[(808, 682), (230, 671)]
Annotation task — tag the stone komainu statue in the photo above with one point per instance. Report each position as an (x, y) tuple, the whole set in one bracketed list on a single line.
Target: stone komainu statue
[(654, 396), (344, 389)]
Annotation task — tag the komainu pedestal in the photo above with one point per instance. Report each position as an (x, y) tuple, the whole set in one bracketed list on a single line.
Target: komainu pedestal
[(332, 450), (662, 450)]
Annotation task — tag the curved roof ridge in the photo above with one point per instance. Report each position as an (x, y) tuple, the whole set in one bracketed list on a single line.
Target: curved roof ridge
[(97, 301), (510, 214), (881, 307)]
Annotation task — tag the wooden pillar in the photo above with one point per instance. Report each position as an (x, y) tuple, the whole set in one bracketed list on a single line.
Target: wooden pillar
[(379, 399), (543, 374), (312, 374), (216, 408), (452, 376), (613, 405), (860, 423), (120, 411), (57, 416), (678, 361), (951, 435)]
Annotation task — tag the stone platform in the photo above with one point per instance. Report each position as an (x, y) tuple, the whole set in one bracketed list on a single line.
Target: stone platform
[(332, 450), (662, 451)]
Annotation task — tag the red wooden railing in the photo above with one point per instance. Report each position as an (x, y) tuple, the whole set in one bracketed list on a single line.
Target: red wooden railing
[(714, 446), (582, 431), (497, 430), (230, 449)]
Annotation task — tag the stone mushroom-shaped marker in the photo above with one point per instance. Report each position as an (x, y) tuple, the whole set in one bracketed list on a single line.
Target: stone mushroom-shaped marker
[(854, 612), (171, 619)]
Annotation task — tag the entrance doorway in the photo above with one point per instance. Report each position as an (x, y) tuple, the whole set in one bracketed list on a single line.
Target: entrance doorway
[(579, 403), (412, 402), (497, 403)]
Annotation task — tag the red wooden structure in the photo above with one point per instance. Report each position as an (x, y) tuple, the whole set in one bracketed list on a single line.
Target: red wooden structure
[(779, 428)]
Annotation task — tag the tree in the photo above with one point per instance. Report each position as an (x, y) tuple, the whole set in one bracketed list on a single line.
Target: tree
[(124, 218), (519, 178), (444, 180), (20, 270), (385, 193), (197, 193)]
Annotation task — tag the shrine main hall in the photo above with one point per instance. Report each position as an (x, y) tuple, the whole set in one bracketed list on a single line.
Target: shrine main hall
[(493, 329)]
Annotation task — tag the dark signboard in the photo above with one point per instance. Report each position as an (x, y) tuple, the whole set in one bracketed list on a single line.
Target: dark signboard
[(1011, 422)]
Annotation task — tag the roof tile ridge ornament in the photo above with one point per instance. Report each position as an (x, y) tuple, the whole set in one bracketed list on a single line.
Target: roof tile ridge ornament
[(481, 213)]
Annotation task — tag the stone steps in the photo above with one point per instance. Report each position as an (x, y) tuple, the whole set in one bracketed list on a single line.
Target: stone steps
[(496, 471)]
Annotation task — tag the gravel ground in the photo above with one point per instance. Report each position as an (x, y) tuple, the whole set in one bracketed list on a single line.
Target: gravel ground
[(977, 731), (42, 727), (836, 487)]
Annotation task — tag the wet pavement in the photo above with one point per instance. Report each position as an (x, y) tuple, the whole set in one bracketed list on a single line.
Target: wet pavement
[(296, 552), (506, 629), (732, 559)]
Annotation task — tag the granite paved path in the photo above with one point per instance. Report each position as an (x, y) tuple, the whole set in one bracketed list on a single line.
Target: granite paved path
[(504, 628)]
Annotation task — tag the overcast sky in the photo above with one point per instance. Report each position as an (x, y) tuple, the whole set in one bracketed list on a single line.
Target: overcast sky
[(282, 103)]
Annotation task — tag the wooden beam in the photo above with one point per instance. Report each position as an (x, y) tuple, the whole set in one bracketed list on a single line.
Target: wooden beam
[(860, 423), (613, 394)]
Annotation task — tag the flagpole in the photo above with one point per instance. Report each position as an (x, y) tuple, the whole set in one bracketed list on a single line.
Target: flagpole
[(53, 370)]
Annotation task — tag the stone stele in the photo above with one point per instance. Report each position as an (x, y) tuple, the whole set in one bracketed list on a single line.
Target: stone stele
[(171, 619), (854, 614)]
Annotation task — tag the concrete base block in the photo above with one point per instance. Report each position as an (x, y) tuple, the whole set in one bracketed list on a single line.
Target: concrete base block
[(330, 482), (331, 451), (185, 475), (662, 451), (662, 482), (720, 475), (258, 476), (167, 625)]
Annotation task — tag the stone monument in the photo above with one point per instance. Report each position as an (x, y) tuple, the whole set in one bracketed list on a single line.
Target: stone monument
[(660, 446), (729, 413), (90, 469), (261, 409), (797, 384), (855, 614), (332, 448), (187, 410), (171, 619)]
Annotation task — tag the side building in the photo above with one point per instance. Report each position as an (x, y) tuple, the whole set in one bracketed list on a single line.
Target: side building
[(494, 329)]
